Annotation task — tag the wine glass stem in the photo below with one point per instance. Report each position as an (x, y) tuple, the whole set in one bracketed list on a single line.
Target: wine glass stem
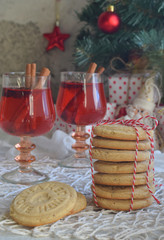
[(25, 158), (80, 145)]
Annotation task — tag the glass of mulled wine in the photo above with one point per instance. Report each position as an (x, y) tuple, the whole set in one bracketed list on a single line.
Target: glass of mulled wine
[(26, 112), (81, 101)]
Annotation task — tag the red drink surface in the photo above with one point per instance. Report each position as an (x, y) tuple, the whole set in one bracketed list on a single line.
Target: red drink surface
[(26, 112), (75, 107)]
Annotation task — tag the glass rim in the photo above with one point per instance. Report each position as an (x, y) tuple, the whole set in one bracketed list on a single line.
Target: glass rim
[(12, 73), (22, 74), (78, 72)]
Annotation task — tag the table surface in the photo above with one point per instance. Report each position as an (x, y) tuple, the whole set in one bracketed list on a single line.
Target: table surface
[(91, 223)]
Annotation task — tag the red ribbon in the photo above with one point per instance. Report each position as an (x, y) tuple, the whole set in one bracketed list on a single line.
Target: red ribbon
[(134, 123)]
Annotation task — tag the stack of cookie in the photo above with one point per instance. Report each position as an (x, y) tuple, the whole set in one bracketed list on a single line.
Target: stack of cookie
[(46, 203), (114, 148)]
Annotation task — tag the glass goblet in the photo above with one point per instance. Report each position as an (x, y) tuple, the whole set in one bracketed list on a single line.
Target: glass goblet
[(26, 112), (81, 101)]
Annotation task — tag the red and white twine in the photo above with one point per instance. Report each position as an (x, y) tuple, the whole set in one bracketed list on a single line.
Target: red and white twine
[(134, 123)]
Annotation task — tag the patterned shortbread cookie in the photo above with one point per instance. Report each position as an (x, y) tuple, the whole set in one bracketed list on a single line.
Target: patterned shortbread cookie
[(124, 205), (115, 192), (121, 167), (120, 144), (43, 203), (121, 132), (81, 203), (125, 179), (118, 155)]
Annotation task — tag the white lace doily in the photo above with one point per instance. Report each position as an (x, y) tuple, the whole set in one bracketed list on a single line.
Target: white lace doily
[(91, 223)]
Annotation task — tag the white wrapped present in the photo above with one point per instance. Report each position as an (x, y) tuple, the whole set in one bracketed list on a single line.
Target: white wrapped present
[(124, 87)]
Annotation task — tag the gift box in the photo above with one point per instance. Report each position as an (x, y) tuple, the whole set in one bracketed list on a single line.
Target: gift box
[(124, 87), (68, 128), (110, 111)]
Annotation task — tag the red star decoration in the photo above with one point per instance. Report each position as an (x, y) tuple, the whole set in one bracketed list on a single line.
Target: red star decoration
[(56, 39)]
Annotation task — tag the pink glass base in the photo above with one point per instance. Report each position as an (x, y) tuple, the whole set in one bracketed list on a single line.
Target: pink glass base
[(80, 159), (24, 174)]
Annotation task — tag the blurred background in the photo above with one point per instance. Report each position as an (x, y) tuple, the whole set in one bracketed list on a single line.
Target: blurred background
[(22, 25), (122, 36)]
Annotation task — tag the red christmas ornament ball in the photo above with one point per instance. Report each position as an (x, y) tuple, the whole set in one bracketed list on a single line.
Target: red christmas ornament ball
[(109, 22)]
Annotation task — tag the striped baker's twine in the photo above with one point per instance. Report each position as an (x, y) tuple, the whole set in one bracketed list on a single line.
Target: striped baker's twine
[(135, 168), (91, 163), (134, 123)]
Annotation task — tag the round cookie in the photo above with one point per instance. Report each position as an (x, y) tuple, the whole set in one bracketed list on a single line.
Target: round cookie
[(120, 144), (81, 203), (124, 205), (115, 192), (121, 167), (43, 203), (125, 179), (118, 155), (121, 132)]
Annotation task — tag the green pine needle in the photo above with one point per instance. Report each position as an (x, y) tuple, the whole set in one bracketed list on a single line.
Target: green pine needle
[(141, 28)]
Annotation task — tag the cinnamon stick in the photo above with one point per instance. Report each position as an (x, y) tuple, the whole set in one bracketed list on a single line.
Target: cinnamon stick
[(92, 68), (100, 70), (41, 81), (33, 74), (28, 76), (45, 72)]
